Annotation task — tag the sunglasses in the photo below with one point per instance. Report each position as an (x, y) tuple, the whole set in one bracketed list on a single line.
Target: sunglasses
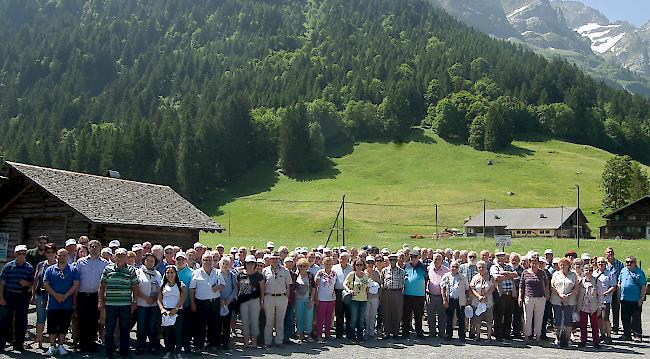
[(358, 265), (628, 262), (471, 256), (207, 260)]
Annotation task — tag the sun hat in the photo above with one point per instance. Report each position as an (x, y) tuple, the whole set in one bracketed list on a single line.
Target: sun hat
[(250, 259)]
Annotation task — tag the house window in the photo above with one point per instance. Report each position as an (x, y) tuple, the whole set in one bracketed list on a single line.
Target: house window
[(631, 217)]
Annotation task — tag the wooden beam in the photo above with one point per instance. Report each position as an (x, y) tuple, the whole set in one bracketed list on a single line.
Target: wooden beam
[(14, 198)]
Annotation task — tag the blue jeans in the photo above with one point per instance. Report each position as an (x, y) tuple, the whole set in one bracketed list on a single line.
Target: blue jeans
[(563, 315), (147, 327), (304, 315), (357, 316), (121, 313)]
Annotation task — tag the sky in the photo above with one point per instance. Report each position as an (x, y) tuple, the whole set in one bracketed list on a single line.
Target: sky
[(636, 12)]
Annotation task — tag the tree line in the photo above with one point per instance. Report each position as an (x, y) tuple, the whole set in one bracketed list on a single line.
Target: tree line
[(192, 94)]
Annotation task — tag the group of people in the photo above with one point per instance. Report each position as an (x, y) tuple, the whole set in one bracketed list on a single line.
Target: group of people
[(193, 299)]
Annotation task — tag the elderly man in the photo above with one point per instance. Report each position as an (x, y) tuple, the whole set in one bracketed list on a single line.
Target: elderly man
[(277, 282), (505, 302), (138, 250), (71, 247), (15, 284), (114, 245), (615, 266), (37, 255), (90, 270), (205, 294), (185, 276), (435, 310), (392, 297), (414, 294), (455, 291), (60, 281), (200, 249), (118, 286), (146, 248), (632, 284), (342, 269), (83, 241)]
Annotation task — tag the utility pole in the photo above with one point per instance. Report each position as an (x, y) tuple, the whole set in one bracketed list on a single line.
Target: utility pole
[(343, 219), (562, 223), (578, 218), (484, 214), (437, 233)]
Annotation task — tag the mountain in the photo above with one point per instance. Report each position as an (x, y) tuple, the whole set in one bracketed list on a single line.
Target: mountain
[(195, 93), (616, 53), (620, 43)]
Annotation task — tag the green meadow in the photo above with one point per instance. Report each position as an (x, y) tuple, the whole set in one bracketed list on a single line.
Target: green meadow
[(391, 191)]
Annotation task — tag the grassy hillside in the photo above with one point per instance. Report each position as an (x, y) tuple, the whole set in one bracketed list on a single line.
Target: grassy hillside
[(411, 177)]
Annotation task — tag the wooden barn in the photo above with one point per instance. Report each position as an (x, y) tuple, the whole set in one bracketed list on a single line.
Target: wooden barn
[(62, 204), (631, 221)]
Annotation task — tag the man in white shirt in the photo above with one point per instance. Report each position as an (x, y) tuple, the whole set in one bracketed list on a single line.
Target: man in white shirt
[(342, 313), (205, 291)]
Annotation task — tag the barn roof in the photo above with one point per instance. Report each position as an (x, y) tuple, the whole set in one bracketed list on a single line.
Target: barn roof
[(612, 213), (106, 200), (523, 218)]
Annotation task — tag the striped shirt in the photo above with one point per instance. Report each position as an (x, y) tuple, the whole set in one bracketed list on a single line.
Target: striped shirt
[(12, 274), (119, 283)]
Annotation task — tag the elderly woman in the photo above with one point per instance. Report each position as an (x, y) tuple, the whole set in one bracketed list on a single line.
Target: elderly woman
[(227, 298), (607, 281), (590, 301), (250, 284), (482, 287), (305, 291), (564, 292), (357, 283), (373, 296), (150, 282), (325, 281), (532, 297)]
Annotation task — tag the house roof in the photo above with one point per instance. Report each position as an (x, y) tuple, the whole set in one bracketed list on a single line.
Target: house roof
[(106, 200), (610, 214), (523, 218)]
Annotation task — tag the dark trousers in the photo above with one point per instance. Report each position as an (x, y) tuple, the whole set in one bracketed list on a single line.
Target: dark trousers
[(616, 309), (17, 304), (147, 327), (224, 329), (503, 309), (173, 335), (454, 308), (115, 314), (517, 315), (413, 308), (342, 313), (289, 322), (631, 318), (207, 319), (189, 328), (88, 322)]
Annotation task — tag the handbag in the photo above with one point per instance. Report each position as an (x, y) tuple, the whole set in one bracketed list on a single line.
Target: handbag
[(347, 294)]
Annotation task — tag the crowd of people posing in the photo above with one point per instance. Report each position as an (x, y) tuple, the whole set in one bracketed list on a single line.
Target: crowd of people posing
[(193, 299)]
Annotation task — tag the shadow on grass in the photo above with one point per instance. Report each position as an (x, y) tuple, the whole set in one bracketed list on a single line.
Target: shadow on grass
[(259, 179), (328, 171), (513, 150)]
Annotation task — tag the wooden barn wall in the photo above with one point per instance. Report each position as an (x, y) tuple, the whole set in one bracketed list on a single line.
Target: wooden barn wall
[(129, 235), (36, 213)]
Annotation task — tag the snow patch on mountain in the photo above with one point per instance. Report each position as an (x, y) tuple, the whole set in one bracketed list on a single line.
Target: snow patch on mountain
[(604, 45), (517, 11)]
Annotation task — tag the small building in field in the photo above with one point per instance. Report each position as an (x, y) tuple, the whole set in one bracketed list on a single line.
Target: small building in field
[(529, 222), (37, 201), (631, 221)]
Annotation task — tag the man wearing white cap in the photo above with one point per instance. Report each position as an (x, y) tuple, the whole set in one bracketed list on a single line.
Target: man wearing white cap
[(118, 286), (200, 251), (137, 249), (185, 276), (113, 245), (71, 247), (277, 282), (15, 282)]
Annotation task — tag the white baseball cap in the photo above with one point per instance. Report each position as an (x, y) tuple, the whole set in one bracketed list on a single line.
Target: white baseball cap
[(180, 255), (19, 248), (270, 244), (198, 245), (70, 242), (136, 247), (114, 244)]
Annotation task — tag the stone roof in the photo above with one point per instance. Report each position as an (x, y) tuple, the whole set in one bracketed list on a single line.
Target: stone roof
[(523, 218), (105, 200)]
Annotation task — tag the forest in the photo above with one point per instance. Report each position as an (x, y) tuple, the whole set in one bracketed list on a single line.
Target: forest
[(193, 93)]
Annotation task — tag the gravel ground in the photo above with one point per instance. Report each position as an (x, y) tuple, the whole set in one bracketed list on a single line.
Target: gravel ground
[(391, 348)]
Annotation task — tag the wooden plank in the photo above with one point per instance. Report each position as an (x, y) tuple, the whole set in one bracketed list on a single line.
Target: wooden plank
[(14, 198)]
